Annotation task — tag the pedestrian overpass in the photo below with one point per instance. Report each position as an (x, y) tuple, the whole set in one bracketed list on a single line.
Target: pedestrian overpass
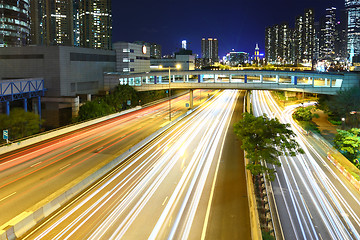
[(295, 81)]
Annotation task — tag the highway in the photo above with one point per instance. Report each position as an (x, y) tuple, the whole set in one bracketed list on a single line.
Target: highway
[(34, 175), (164, 191), (313, 199)]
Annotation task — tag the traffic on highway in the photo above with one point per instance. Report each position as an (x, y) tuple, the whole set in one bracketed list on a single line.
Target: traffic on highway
[(163, 191), (314, 201)]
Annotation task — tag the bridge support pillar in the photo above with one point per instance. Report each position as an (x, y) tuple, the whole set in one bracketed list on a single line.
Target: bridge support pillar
[(309, 80), (261, 78), (25, 105), (173, 77), (216, 77), (160, 79), (147, 79), (294, 80), (245, 79), (330, 82), (39, 106), (230, 78), (191, 98), (313, 82), (326, 82), (7, 108), (200, 78), (277, 79), (187, 78), (184, 78), (155, 79)]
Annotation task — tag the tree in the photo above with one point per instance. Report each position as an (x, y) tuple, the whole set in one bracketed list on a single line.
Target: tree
[(94, 109), (20, 123), (342, 104), (348, 143), (264, 140), (304, 114)]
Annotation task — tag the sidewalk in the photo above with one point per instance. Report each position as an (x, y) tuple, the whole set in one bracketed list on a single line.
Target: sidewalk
[(327, 129)]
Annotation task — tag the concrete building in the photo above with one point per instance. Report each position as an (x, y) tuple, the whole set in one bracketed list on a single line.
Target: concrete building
[(155, 51), (14, 22), (132, 57), (187, 62), (67, 72), (353, 25), (233, 59), (95, 22), (210, 50)]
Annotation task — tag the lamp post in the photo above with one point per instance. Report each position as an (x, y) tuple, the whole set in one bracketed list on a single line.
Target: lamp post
[(178, 66)]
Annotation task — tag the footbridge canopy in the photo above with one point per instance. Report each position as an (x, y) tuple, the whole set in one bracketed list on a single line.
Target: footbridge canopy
[(296, 81)]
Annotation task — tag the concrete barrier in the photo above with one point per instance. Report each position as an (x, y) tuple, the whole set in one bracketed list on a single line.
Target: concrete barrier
[(253, 210), (18, 226)]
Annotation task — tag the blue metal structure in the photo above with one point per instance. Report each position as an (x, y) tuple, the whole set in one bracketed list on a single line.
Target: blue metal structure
[(22, 89)]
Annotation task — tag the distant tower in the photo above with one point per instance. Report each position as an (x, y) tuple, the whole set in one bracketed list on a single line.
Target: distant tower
[(209, 50), (183, 44), (257, 53)]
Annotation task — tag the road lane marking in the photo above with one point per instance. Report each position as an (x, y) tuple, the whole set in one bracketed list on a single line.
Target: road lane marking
[(165, 200), (35, 164), (65, 166), (7, 196)]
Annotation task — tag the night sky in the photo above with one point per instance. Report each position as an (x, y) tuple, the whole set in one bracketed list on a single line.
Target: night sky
[(237, 24)]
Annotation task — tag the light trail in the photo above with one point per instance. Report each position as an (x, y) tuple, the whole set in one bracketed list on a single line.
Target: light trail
[(324, 206), (159, 189)]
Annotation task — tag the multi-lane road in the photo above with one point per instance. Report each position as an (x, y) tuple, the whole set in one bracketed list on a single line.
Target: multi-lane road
[(32, 176), (313, 199), (164, 191)]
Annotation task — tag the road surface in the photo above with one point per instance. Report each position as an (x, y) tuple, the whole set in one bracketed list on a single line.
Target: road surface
[(313, 199)]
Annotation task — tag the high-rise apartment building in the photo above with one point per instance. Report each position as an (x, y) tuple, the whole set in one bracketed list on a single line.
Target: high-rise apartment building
[(95, 24), (285, 45), (85, 23), (277, 44), (308, 36), (210, 50), (353, 26), (52, 22), (328, 35), (341, 52), (14, 22)]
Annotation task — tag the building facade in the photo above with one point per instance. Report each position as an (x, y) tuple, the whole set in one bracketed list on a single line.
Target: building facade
[(209, 50), (186, 62), (353, 25), (132, 57), (52, 22), (155, 51), (234, 59), (291, 46), (14, 22), (68, 72), (95, 22), (85, 23)]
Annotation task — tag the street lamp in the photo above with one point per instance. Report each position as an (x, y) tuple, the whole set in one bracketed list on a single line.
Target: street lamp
[(178, 66)]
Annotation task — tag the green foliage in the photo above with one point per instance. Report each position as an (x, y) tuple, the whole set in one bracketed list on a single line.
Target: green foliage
[(342, 104), (20, 123), (94, 109), (267, 236), (348, 143), (304, 114), (264, 140), (116, 101)]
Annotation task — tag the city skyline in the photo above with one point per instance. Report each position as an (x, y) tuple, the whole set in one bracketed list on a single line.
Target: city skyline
[(237, 25)]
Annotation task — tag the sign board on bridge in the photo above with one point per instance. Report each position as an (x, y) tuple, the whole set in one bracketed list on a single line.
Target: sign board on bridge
[(6, 134)]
